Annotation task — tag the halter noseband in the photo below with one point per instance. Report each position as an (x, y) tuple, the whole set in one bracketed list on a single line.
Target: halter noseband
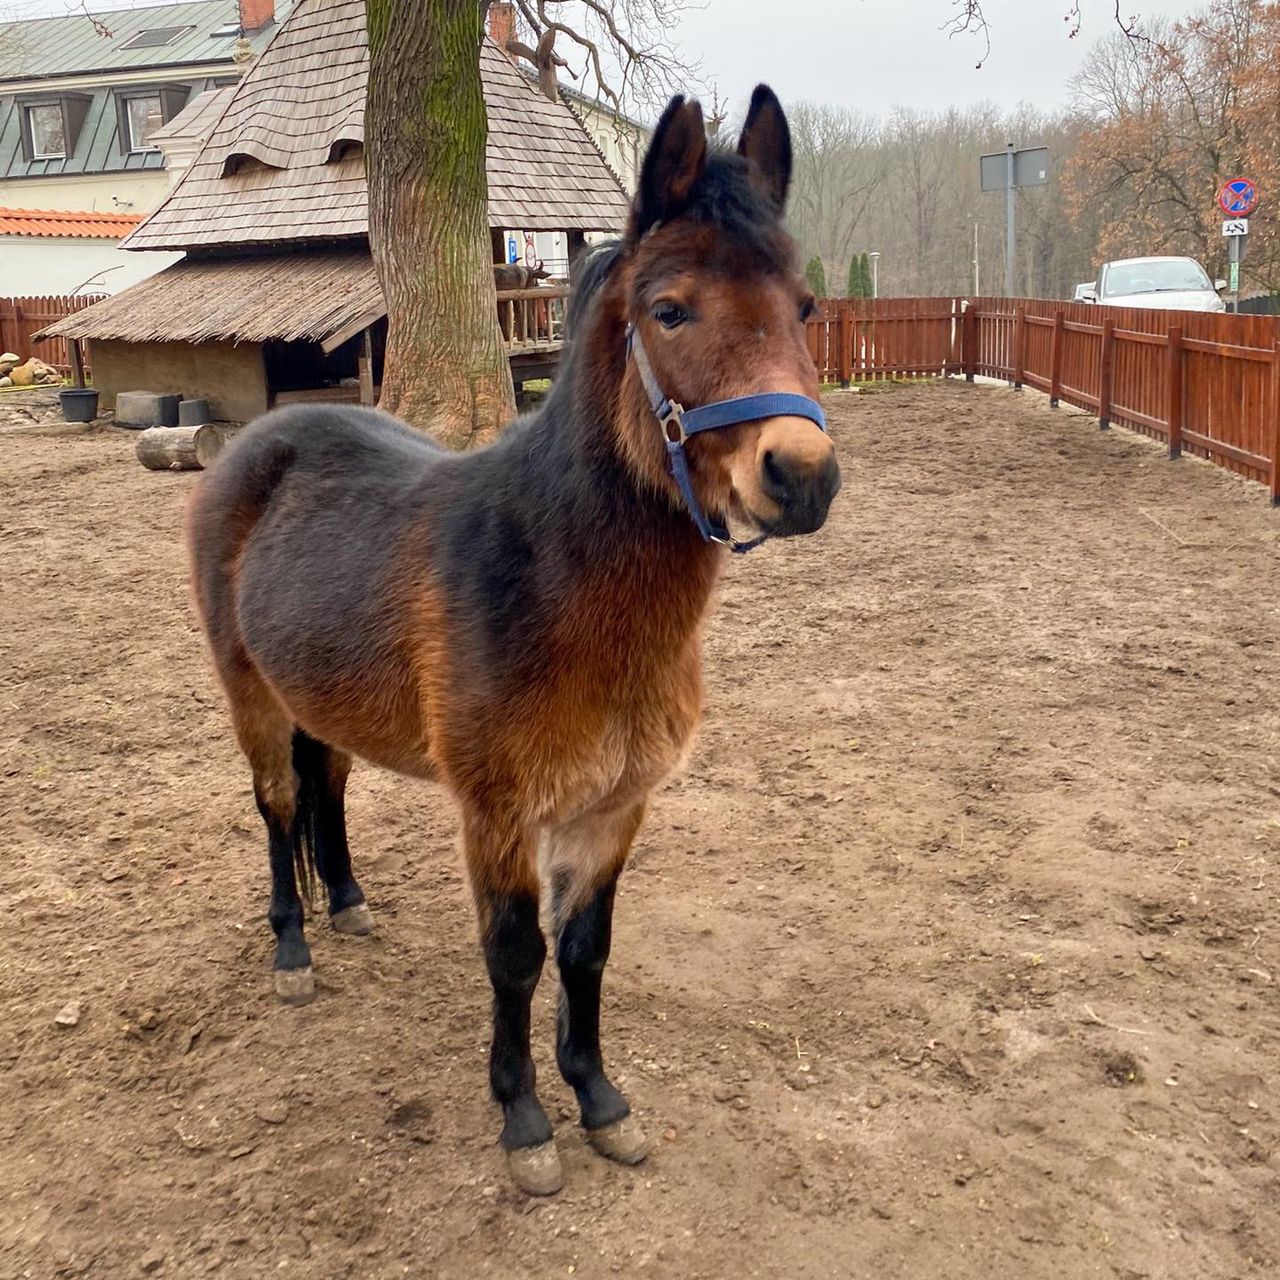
[(677, 424)]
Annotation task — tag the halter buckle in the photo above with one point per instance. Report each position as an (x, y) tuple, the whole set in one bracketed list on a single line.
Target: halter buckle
[(672, 415)]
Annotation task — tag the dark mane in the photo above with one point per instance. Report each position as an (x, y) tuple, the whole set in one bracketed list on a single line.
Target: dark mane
[(593, 270), (725, 197)]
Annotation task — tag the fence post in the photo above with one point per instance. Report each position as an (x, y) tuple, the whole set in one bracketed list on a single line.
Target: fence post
[(1275, 425), (1019, 345), (844, 342), (1176, 374), (969, 339), (1055, 358), (1104, 372)]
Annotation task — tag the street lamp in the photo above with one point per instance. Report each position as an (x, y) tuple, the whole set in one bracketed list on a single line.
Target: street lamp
[(875, 274)]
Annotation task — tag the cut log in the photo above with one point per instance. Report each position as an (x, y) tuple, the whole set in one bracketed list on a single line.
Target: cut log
[(179, 448)]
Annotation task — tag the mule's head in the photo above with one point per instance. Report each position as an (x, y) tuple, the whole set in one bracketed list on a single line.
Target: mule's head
[(715, 296)]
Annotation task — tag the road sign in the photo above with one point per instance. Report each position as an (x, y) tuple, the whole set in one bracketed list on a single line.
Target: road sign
[(1235, 227), (1238, 198), (1030, 169), (1233, 281), (1006, 171)]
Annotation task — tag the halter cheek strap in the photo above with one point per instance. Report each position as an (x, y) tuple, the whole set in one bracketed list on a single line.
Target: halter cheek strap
[(677, 424)]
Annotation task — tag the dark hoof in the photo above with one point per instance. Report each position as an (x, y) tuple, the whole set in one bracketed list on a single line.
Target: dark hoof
[(536, 1170), (356, 920), (295, 986), (623, 1141)]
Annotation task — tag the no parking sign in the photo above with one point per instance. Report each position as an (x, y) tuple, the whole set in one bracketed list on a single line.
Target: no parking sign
[(1238, 197)]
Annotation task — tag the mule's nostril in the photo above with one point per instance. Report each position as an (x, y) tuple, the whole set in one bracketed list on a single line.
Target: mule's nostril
[(777, 481)]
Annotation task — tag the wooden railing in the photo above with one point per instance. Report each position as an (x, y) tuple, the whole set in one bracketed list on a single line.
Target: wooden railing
[(21, 317), (533, 319), (1202, 383)]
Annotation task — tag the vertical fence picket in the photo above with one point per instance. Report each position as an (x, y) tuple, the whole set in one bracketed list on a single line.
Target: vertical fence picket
[(1106, 372), (1055, 357), (1274, 405), (1177, 379)]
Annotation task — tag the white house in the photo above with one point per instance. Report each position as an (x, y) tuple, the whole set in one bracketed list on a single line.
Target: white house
[(82, 101)]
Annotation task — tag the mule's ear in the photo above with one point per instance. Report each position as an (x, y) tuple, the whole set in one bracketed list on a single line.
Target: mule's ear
[(766, 143), (672, 164)]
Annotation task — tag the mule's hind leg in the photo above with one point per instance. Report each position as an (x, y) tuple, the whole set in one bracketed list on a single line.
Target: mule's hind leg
[(586, 859), (503, 873), (265, 733), (322, 779)]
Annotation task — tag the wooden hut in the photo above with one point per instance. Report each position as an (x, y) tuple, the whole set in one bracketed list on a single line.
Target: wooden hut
[(276, 297)]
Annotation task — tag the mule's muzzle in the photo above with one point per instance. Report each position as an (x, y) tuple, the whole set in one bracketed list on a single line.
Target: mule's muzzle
[(801, 482)]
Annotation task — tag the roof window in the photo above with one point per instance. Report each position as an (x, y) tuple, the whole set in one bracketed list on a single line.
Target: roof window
[(155, 37)]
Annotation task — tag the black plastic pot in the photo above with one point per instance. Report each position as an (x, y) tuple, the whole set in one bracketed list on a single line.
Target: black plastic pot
[(79, 404)]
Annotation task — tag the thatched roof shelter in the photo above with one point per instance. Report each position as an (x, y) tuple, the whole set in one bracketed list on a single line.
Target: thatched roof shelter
[(315, 295)]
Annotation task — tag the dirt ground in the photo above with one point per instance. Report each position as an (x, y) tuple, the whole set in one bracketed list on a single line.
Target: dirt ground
[(952, 954)]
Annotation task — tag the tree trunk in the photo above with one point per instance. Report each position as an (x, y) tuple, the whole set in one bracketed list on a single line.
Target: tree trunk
[(178, 448), (446, 367)]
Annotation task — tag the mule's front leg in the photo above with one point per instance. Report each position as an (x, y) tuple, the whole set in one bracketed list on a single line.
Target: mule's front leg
[(584, 922), (506, 889)]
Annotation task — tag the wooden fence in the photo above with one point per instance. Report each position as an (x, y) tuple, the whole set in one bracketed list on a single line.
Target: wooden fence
[(1201, 383), (21, 317), (865, 340)]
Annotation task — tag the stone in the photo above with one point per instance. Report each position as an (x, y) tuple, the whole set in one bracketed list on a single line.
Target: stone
[(8, 357), (6, 381), (273, 1112), (68, 1015), (152, 1262)]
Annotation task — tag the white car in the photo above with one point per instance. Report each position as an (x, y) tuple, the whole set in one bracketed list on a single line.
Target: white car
[(1175, 284), (1083, 291)]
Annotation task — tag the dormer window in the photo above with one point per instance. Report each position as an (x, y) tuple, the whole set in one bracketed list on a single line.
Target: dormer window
[(48, 131), (142, 118), (140, 112), (50, 125)]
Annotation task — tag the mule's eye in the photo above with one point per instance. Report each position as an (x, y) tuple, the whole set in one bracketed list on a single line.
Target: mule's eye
[(670, 315), (807, 308)]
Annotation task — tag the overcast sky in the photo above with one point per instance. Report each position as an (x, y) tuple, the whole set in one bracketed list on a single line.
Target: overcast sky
[(872, 54), (868, 55)]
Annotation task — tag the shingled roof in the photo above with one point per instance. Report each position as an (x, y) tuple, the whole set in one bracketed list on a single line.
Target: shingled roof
[(285, 162)]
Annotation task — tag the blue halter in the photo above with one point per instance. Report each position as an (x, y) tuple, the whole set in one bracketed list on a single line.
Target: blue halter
[(677, 424)]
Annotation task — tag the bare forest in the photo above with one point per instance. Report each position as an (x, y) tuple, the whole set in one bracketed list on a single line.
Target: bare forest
[(1157, 120)]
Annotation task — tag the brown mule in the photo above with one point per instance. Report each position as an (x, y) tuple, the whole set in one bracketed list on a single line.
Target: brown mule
[(523, 623)]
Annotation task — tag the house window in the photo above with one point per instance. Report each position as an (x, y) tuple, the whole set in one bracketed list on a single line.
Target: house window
[(144, 115), (48, 131)]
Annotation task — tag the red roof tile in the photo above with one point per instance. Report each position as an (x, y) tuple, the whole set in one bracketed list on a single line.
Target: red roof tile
[(56, 222)]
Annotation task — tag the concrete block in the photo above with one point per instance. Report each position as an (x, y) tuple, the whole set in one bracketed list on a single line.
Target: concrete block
[(146, 409), (193, 413)]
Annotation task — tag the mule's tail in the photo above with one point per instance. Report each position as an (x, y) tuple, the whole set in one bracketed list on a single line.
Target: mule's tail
[(310, 763)]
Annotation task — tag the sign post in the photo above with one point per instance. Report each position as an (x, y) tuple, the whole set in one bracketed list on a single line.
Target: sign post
[(1007, 171), (1237, 198)]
